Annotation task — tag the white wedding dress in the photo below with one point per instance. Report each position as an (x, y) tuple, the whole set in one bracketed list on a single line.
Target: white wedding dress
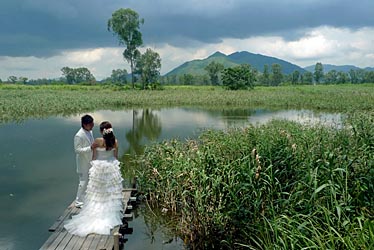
[(102, 209)]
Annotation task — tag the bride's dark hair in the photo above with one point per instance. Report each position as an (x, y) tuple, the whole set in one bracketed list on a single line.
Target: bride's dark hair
[(108, 135)]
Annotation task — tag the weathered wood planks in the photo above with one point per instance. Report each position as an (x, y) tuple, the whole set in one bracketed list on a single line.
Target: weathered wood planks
[(60, 239)]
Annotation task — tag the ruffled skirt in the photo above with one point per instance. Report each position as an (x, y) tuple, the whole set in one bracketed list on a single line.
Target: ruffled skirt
[(102, 209)]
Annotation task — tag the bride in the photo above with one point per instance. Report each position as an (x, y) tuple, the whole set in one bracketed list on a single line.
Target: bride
[(102, 208)]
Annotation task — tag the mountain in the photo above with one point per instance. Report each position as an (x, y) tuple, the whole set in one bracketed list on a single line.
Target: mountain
[(257, 61), (343, 68), (369, 68), (196, 67)]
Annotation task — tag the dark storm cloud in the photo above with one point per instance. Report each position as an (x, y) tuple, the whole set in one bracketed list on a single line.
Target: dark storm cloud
[(46, 27)]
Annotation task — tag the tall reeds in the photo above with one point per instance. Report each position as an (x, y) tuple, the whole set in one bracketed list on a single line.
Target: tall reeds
[(277, 186)]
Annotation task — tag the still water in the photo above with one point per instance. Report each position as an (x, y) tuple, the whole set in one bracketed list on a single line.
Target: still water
[(37, 164)]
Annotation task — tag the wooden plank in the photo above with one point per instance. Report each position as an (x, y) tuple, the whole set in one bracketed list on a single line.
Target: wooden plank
[(78, 243), (71, 210), (102, 243), (95, 241), (110, 243), (61, 235), (49, 241), (87, 242), (65, 241)]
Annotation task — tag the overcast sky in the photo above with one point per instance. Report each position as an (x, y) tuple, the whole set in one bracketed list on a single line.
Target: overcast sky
[(39, 37)]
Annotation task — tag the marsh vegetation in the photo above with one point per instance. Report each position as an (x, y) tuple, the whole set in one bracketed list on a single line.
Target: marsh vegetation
[(280, 185)]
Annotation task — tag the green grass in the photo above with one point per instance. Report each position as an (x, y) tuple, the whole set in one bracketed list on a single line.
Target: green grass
[(277, 186), (18, 102)]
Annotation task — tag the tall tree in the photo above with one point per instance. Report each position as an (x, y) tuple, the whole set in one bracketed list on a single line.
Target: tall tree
[(213, 69), (318, 72), (125, 23), (276, 76), (266, 75), (148, 66), (295, 77), (353, 76)]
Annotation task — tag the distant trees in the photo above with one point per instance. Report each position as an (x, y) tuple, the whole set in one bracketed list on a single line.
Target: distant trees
[(148, 67), (308, 78), (213, 69), (276, 74), (266, 75), (118, 76), (318, 72), (295, 77), (125, 23), (77, 75), (186, 79), (12, 79), (239, 77)]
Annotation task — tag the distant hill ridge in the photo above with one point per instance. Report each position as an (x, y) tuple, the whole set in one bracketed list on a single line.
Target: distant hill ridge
[(343, 68), (257, 61)]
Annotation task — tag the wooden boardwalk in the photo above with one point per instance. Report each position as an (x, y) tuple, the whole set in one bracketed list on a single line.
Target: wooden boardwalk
[(60, 239)]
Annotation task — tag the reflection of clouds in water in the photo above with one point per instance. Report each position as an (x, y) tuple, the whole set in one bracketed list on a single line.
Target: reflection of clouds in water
[(7, 243), (117, 118), (175, 117), (305, 117), (171, 118)]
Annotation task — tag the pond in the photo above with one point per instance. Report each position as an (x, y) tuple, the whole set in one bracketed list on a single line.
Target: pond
[(38, 179)]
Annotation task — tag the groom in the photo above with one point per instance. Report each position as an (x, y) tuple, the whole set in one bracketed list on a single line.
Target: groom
[(83, 146)]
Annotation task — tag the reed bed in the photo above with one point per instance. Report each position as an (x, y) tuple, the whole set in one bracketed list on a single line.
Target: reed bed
[(276, 186), (19, 102)]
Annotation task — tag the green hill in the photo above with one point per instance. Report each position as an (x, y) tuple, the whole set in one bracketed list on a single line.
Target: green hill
[(258, 61), (196, 67), (343, 68)]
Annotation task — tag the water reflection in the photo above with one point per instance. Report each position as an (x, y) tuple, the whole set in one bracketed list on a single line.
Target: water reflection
[(305, 117), (38, 178), (146, 125)]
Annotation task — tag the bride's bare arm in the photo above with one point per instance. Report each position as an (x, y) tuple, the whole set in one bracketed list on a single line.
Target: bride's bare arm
[(94, 151)]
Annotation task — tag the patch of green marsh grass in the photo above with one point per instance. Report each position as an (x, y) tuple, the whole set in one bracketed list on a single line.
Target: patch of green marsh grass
[(19, 102), (277, 186)]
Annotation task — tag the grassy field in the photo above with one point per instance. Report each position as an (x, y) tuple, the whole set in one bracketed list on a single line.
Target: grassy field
[(18, 102)]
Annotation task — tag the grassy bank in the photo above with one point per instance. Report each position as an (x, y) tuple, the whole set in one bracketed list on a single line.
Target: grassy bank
[(18, 102), (277, 186)]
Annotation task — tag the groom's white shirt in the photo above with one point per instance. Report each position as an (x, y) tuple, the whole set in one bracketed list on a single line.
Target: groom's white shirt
[(82, 146)]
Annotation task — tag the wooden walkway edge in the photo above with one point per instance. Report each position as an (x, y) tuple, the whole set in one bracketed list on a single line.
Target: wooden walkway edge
[(60, 239)]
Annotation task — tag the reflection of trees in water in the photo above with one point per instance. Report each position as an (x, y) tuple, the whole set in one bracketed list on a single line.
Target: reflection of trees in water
[(232, 116), (146, 126)]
